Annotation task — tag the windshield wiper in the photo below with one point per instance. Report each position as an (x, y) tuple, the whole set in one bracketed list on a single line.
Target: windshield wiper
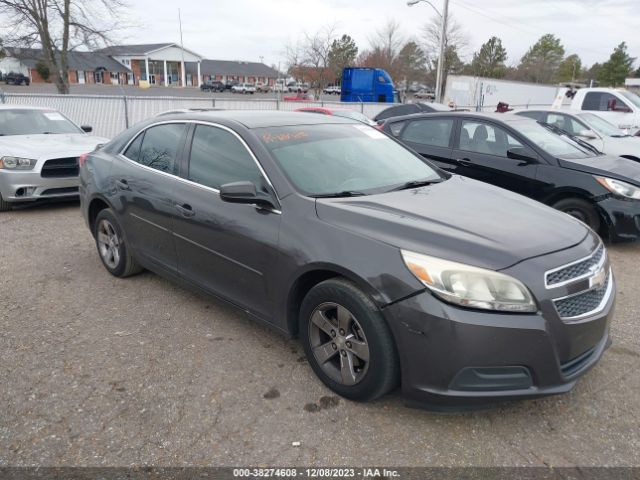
[(346, 193), (415, 184)]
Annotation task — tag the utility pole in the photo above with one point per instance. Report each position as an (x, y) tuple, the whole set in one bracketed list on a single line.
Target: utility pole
[(183, 67)]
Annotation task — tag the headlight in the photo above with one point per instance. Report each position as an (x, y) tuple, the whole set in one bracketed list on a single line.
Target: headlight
[(17, 163), (621, 188), (470, 286)]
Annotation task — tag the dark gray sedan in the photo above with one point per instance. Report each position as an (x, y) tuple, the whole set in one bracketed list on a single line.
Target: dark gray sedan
[(390, 270)]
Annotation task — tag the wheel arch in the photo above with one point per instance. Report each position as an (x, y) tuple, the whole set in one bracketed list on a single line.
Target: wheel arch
[(96, 205), (563, 194), (312, 276)]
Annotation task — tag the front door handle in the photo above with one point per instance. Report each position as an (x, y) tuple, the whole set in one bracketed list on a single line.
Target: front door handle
[(185, 209), (122, 184)]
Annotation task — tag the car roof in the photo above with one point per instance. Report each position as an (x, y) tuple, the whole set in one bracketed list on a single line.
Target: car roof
[(500, 117), (260, 118), (24, 107)]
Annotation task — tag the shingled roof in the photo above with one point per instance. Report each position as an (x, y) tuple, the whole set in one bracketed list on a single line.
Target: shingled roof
[(127, 50), (84, 61), (230, 67)]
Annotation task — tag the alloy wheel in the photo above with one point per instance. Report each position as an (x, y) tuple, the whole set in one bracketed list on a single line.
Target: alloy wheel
[(108, 244), (338, 343)]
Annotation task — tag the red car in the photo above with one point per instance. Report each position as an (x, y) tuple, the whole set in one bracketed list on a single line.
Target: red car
[(338, 112), (300, 97)]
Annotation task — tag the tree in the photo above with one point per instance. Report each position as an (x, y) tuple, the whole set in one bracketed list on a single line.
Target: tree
[(60, 26), (384, 47), (412, 63), (489, 60), (43, 70), (617, 68), (343, 53), (570, 69), (541, 62), (593, 72), (455, 42)]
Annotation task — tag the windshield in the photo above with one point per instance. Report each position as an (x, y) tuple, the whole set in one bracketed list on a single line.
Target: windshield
[(632, 97), (601, 126), (329, 159), (554, 144), (32, 122)]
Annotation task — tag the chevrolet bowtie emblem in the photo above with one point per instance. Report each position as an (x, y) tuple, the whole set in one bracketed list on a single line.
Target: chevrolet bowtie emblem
[(598, 280)]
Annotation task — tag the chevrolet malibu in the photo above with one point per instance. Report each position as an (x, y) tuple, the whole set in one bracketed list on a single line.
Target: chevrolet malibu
[(39, 151), (390, 270)]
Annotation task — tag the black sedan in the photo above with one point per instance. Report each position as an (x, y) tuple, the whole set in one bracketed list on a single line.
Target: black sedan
[(390, 270), (212, 86), (533, 159)]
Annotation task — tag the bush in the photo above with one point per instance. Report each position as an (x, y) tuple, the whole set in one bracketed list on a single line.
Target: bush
[(43, 70)]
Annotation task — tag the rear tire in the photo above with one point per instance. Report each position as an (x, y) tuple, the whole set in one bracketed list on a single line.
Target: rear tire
[(580, 209), (4, 205), (112, 246), (347, 341)]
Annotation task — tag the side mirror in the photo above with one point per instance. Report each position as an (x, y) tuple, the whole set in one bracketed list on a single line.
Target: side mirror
[(589, 134), (524, 154), (87, 128), (245, 192)]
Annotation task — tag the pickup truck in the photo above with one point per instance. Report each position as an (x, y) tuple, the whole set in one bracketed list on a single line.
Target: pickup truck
[(617, 106)]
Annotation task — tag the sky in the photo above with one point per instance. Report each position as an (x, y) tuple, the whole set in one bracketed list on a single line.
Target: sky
[(255, 30)]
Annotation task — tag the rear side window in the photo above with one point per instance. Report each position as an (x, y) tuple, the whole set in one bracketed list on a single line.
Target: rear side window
[(218, 157), (396, 127), (435, 132), (603, 102), (538, 116), (159, 147)]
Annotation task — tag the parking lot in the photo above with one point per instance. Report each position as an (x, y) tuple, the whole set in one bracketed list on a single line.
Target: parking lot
[(102, 371)]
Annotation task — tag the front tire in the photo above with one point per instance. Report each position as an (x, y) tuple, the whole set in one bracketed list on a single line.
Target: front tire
[(580, 209), (4, 205), (112, 246), (347, 341)]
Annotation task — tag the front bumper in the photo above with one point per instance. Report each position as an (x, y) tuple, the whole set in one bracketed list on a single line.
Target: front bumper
[(623, 218), (453, 358), (26, 186)]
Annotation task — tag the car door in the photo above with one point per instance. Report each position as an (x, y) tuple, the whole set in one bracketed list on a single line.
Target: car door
[(481, 153), (144, 179), (226, 248), (431, 138)]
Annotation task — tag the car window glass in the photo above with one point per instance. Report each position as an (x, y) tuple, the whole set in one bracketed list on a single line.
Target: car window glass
[(133, 151), (160, 147), (396, 128), (602, 101), (433, 131), (533, 115), (484, 138), (565, 123), (218, 157)]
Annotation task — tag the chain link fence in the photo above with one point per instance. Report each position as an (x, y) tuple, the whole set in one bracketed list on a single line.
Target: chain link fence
[(109, 114)]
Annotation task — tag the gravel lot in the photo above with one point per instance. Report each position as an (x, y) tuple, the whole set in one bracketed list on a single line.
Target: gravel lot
[(100, 371)]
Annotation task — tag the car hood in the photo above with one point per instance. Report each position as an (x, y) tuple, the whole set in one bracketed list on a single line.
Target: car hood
[(622, 146), (607, 166), (49, 146), (461, 220)]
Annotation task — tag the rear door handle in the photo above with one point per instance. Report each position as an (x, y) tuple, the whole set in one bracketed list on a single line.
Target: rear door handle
[(122, 184), (185, 209)]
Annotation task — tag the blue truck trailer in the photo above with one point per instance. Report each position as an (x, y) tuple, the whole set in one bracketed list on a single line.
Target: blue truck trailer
[(367, 85)]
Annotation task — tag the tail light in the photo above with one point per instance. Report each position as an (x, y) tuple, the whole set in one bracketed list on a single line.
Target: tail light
[(82, 159)]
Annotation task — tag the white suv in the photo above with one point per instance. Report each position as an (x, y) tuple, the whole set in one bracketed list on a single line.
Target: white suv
[(244, 88)]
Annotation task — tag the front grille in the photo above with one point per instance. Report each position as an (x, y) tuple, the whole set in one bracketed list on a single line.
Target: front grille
[(582, 303), (60, 167), (575, 365), (576, 270), (60, 191)]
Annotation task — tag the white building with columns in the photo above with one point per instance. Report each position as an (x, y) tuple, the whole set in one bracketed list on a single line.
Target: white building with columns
[(158, 63)]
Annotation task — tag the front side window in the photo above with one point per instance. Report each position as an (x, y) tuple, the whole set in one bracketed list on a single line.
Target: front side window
[(435, 132), (487, 139), (601, 126), (159, 147), (218, 157), (328, 159), (603, 102), (565, 123)]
